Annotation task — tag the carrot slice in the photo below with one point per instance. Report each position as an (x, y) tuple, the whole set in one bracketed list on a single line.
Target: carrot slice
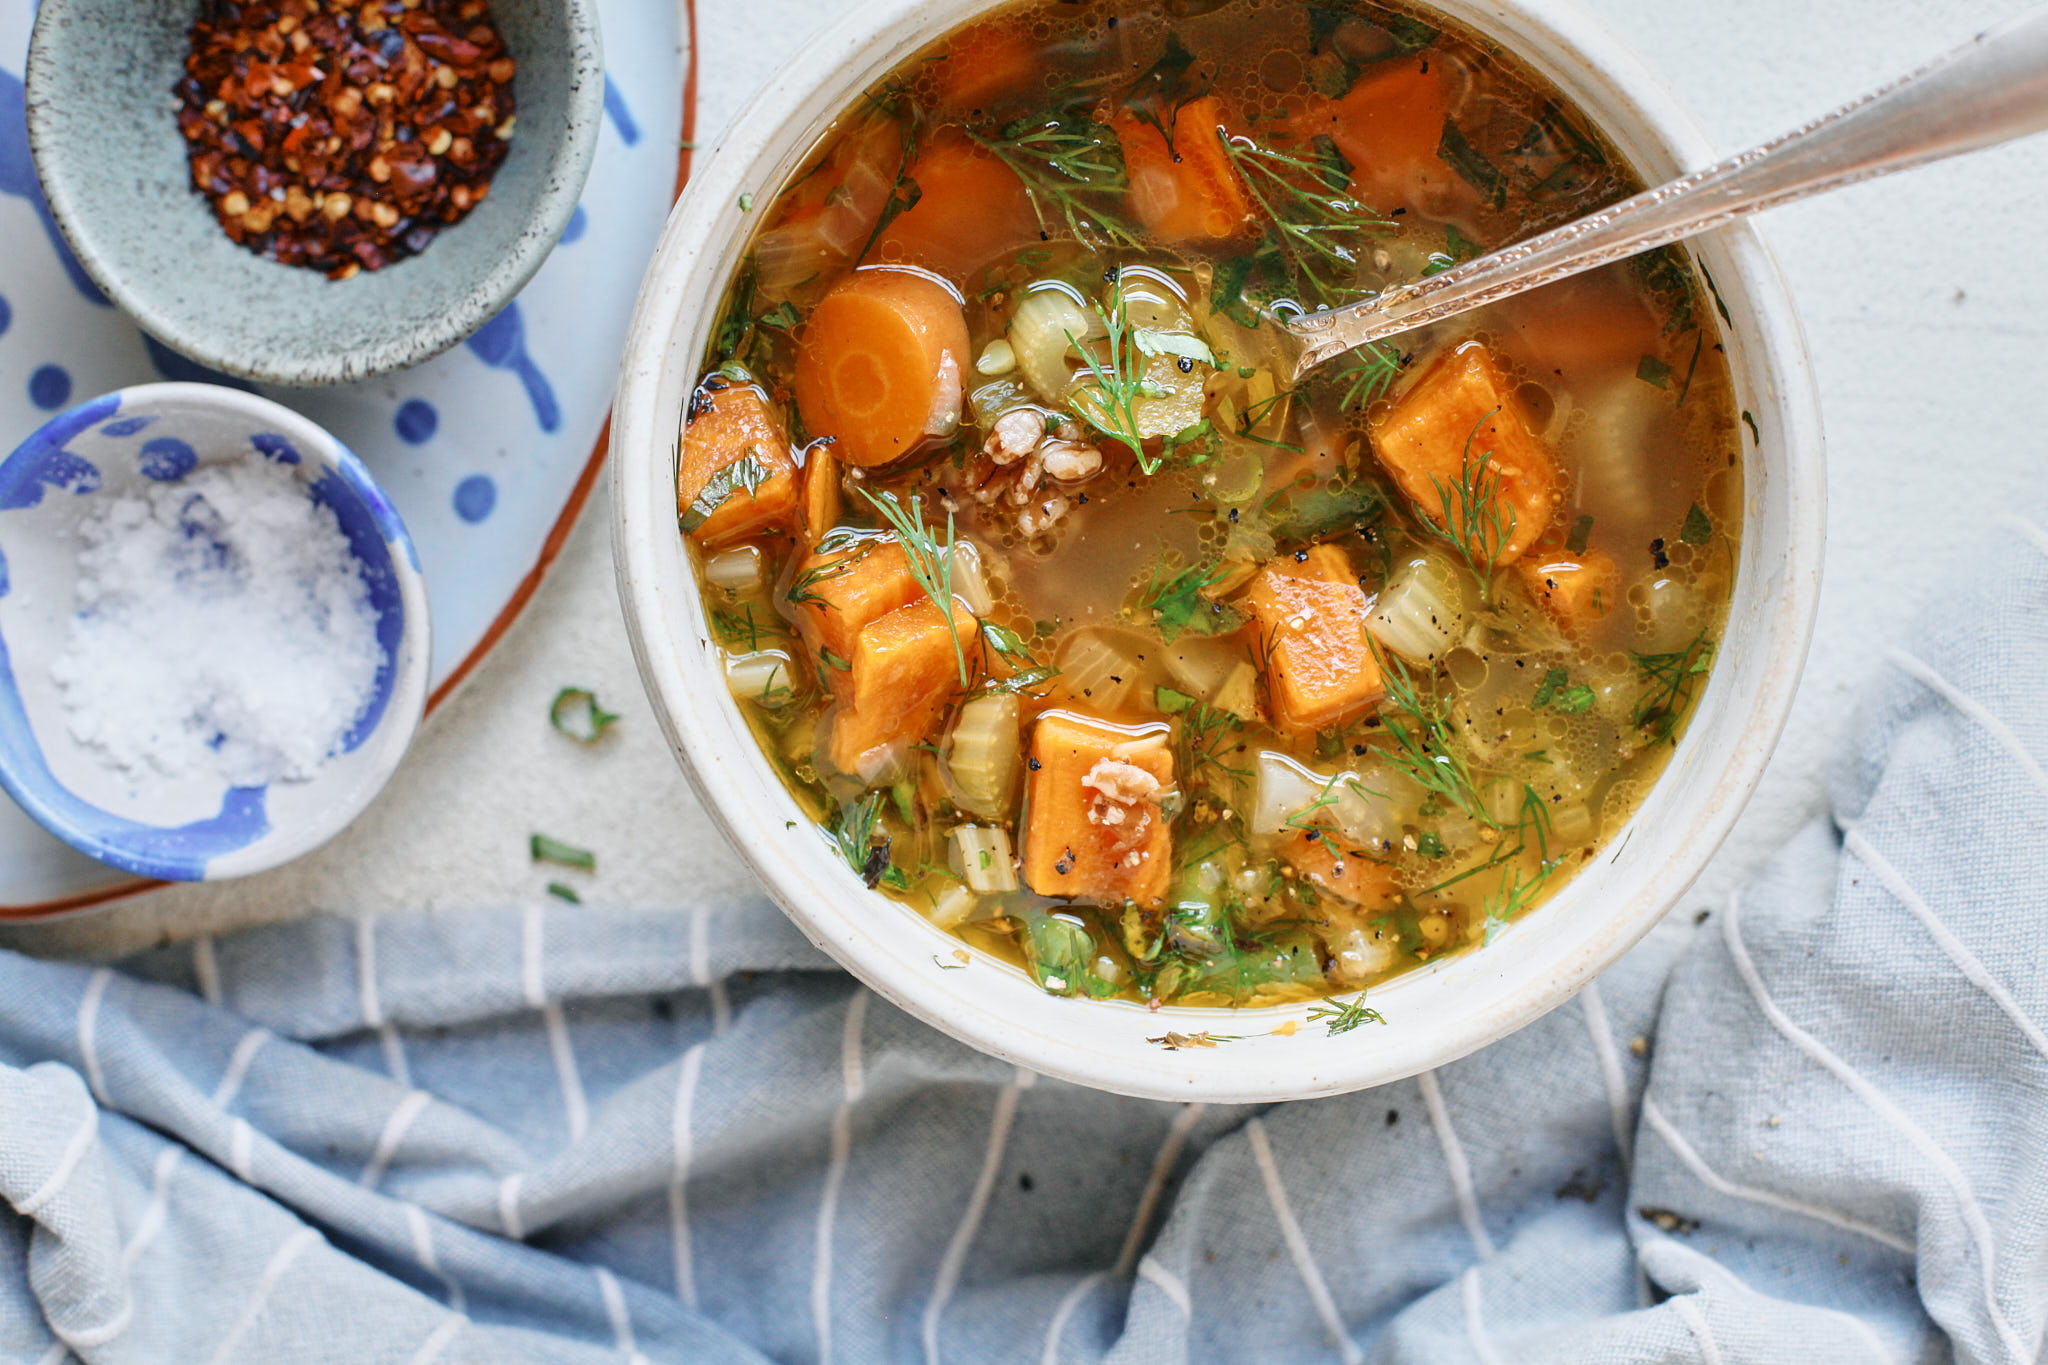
[(985, 67), (1578, 590), (735, 474), (1388, 126), (971, 208), (881, 363), (819, 510), (1310, 612), (1465, 409), (1190, 191), (1095, 830)]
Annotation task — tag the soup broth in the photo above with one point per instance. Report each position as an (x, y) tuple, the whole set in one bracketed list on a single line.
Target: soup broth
[(1078, 634)]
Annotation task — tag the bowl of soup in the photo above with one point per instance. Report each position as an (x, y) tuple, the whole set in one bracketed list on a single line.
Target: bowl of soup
[(1118, 709)]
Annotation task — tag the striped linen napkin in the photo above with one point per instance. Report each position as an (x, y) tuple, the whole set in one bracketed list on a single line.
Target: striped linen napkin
[(1813, 1128)]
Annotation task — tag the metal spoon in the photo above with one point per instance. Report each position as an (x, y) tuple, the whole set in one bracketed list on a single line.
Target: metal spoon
[(1990, 90)]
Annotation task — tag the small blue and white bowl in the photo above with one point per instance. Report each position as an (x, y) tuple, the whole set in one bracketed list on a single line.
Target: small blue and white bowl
[(195, 828)]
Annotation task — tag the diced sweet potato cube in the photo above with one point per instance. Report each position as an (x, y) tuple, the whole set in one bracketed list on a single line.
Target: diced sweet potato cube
[(903, 669), (1388, 126), (1464, 411), (1095, 830), (1578, 590), (1345, 872), (820, 507), (837, 592), (1310, 614), (1189, 192), (736, 474)]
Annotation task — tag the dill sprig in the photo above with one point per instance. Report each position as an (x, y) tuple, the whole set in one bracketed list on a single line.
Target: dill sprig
[(852, 832), (1476, 520), (1204, 736), (1119, 380), (1424, 747), (1312, 214), (1061, 155), (1673, 679), (929, 559), (1367, 373), (1344, 1015)]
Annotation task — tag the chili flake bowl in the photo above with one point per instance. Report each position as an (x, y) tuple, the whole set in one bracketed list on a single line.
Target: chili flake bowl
[(195, 827), (103, 130)]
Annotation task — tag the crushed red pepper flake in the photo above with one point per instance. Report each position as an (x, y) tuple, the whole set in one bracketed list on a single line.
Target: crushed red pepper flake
[(341, 135)]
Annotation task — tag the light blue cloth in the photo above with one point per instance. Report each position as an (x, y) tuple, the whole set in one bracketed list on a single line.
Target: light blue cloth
[(573, 1135)]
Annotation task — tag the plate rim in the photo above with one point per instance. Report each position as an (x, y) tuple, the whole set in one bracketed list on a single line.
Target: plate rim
[(522, 595)]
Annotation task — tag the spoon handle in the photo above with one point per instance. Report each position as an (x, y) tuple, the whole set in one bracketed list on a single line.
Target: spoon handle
[(1990, 90)]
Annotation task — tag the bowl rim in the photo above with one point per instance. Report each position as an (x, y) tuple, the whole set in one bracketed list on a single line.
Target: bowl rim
[(751, 809), (496, 281), (394, 732)]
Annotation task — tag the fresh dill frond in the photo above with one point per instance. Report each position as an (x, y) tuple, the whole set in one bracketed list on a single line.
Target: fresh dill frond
[(1476, 521), (1367, 373), (930, 560), (852, 832), (1424, 747), (1177, 603), (1673, 679), (1344, 1015), (1205, 738), (1062, 155), (1118, 377), (1313, 218)]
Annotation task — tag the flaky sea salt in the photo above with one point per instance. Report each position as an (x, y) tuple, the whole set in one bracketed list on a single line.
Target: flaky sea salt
[(223, 629)]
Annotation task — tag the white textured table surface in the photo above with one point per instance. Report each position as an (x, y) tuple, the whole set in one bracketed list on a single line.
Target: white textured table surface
[(1925, 299)]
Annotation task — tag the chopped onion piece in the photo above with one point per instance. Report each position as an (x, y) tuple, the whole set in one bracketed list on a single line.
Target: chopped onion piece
[(996, 359), (970, 580), (981, 854), (738, 570), (953, 907), (767, 677)]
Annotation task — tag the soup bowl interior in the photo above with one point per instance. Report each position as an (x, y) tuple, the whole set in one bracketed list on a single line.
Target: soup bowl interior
[(1434, 1014)]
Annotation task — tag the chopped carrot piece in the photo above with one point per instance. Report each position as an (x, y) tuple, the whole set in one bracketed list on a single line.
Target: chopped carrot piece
[(1347, 873), (735, 474), (903, 670), (881, 365), (986, 66), (819, 510), (838, 592), (971, 208), (1462, 411), (1310, 613), (1094, 830), (1190, 191), (1578, 590), (1388, 126)]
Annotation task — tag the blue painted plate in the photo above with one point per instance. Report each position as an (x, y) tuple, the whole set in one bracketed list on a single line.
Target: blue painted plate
[(484, 450)]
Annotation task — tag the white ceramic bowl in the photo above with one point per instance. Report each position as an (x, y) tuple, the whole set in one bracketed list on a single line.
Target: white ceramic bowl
[(1433, 1015), (195, 828)]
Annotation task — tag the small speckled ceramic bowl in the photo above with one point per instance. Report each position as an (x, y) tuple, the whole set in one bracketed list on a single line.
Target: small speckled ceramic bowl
[(103, 129), (195, 828)]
